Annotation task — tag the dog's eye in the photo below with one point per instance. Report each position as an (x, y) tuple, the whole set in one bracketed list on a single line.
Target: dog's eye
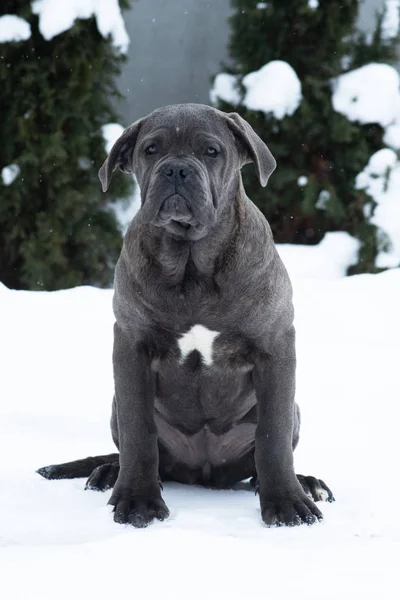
[(152, 149), (211, 152)]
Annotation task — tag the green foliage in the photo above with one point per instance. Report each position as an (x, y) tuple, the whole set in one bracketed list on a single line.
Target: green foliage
[(56, 226), (315, 142)]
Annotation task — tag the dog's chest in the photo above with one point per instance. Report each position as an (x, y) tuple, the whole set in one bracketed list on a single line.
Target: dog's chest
[(203, 376), (200, 339)]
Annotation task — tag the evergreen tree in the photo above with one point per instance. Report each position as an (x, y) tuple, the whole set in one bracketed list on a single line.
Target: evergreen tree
[(56, 230), (319, 41)]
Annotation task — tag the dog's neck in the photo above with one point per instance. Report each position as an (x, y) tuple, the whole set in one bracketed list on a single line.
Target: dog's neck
[(200, 259)]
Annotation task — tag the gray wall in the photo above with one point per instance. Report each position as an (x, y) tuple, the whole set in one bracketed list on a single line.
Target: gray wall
[(368, 11), (177, 46)]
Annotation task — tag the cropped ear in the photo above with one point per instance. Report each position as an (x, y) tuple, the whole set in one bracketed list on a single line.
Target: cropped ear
[(120, 154), (255, 150)]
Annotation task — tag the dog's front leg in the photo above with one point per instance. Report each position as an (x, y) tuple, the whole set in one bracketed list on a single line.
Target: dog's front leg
[(136, 497), (283, 501)]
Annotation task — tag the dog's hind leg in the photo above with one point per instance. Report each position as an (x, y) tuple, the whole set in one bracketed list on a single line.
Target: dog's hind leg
[(77, 468), (316, 489), (103, 477), (102, 471)]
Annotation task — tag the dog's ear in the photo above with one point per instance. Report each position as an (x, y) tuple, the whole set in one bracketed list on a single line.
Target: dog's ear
[(254, 149), (120, 154)]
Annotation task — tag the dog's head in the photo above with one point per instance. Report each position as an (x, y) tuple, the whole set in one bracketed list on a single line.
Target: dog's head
[(187, 160)]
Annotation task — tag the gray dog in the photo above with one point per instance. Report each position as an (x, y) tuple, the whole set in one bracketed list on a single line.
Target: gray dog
[(204, 345)]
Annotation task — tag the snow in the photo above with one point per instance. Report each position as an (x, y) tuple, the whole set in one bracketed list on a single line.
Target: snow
[(10, 173), (85, 163), (275, 88), (57, 540), (302, 180), (381, 179), (378, 165), (346, 62), (14, 29), (369, 94), (124, 209), (391, 20), (313, 4), (111, 132), (329, 259), (392, 136), (55, 17), (225, 88), (323, 199)]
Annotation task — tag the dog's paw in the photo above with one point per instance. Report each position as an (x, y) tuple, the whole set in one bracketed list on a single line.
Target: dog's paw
[(289, 508), (55, 472), (138, 510), (49, 472), (103, 477), (315, 488)]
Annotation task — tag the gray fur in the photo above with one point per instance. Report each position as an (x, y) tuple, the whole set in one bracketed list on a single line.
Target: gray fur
[(199, 252)]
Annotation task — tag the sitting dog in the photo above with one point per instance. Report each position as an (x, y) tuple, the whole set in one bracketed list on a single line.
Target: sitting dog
[(204, 345)]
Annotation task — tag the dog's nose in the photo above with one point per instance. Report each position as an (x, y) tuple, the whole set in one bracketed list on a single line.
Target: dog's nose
[(176, 169)]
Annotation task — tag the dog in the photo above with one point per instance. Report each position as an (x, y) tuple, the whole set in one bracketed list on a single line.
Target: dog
[(204, 345)]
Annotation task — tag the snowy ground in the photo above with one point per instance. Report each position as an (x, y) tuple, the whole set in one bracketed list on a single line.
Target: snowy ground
[(58, 541)]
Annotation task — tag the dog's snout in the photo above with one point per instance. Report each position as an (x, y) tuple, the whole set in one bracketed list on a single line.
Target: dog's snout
[(176, 169)]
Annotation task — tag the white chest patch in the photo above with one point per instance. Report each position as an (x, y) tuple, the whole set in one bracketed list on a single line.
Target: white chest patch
[(198, 338)]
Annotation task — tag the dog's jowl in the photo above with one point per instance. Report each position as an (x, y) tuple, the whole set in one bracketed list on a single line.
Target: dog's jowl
[(204, 345)]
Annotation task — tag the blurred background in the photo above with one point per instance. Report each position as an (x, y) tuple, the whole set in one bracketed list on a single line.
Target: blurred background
[(317, 79), (177, 47)]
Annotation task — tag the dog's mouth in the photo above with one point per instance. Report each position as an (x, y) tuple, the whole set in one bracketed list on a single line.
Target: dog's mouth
[(176, 215), (177, 218), (179, 228), (184, 230), (181, 224)]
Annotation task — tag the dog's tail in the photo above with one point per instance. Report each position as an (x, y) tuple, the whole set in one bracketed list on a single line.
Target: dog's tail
[(77, 468)]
